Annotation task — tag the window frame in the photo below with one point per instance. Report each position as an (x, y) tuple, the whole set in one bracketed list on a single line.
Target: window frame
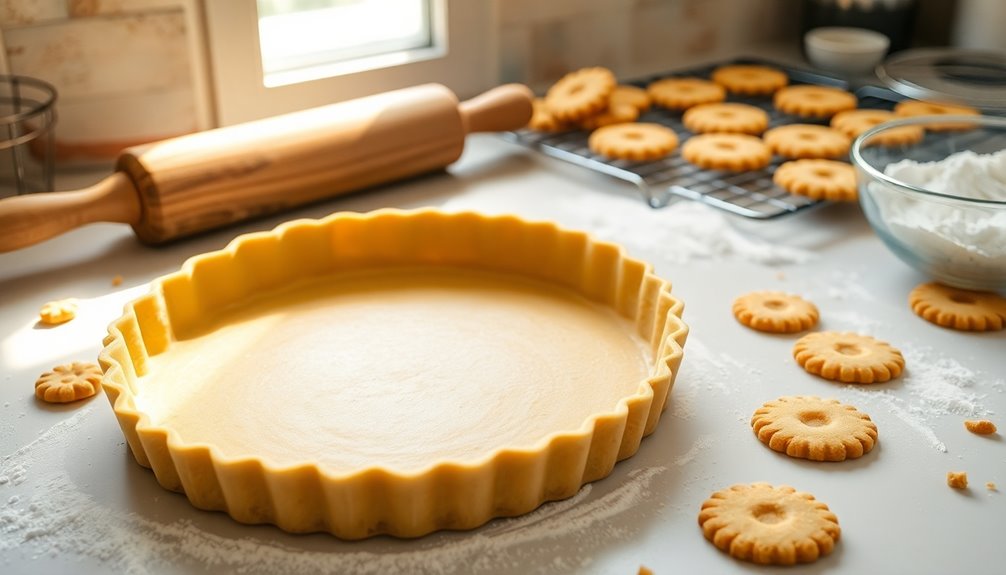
[(463, 59)]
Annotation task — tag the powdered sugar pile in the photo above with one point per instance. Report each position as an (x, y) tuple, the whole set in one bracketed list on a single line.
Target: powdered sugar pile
[(51, 515), (958, 240), (933, 387)]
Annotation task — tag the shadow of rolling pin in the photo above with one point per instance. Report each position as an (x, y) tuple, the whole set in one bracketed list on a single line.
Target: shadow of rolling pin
[(178, 187)]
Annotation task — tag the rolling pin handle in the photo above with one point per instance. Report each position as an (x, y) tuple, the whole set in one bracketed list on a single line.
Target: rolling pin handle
[(29, 219), (506, 107)]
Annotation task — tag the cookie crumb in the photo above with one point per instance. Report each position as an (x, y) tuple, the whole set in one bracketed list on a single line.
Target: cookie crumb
[(58, 311), (980, 426), (957, 479), (116, 280), (991, 486), (644, 570)]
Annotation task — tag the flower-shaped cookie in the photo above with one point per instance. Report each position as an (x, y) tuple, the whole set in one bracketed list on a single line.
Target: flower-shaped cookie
[(775, 312), (71, 382), (58, 311), (848, 357), (769, 525), (808, 427)]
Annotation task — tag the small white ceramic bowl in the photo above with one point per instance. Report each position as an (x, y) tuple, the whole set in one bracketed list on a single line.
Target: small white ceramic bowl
[(846, 51)]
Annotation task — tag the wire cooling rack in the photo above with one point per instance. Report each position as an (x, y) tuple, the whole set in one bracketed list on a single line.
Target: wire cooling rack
[(750, 194)]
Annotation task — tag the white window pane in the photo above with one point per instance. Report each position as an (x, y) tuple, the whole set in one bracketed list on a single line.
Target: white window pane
[(301, 34)]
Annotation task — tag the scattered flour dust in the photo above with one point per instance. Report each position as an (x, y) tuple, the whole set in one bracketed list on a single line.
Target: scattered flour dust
[(931, 387), (57, 518), (683, 232)]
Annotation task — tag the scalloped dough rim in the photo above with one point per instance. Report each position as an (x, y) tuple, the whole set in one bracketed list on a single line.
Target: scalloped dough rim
[(305, 498)]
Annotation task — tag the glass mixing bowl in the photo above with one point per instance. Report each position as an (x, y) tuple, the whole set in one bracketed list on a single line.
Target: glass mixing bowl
[(955, 234)]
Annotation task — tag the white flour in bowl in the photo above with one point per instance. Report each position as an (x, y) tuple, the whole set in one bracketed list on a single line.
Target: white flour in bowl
[(957, 240)]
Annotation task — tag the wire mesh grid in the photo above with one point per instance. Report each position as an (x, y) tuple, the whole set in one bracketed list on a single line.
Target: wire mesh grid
[(750, 194)]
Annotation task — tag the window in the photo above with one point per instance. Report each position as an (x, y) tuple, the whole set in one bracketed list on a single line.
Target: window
[(274, 56), (304, 40)]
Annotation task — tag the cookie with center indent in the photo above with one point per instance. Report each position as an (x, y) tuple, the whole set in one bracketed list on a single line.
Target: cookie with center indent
[(683, 93), (726, 118), (813, 101), (818, 179), (909, 108), (750, 80), (957, 308), (732, 152), (807, 141), (632, 96), (769, 525), (848, 357), (808, 427), (636, 141), (775, 312), (67, 383), (854, 122), (579, 94)]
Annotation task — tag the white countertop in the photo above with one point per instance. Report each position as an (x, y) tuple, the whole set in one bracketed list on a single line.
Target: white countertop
[(73, 500)]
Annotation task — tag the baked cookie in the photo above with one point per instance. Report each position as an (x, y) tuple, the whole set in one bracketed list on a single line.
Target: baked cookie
[(579, 94), (814, 101), (58, 311), (775, 312), (848, 357), (769, 525), (615, 114), (542, 119), (808, 427), (66, 383), (733, 152), (807, 141), (750, 80), (818, 179), (852, 123), (683, 93), (631, 95), (728, 118), (957, 308), (638, 141), (908, 108), (980, 426)]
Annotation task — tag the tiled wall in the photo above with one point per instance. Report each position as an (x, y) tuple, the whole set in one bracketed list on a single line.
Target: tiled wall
[(539, 40), (127, 71)]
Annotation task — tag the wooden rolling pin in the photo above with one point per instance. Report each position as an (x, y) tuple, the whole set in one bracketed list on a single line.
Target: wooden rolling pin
[(189, 184)]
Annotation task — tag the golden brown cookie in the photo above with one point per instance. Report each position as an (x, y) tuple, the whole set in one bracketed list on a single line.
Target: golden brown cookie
[(769, 525), (848, 357), (615, 114), (814, 101), (638, 142), (579, 94), (852, 123), (66, 383), (775, 312), (683, 93), (807, 141), (733, 152), (808, 427), (631, 95), (58, 311), (818, 179), (957, 479), (542, 119), (980, 426), (726, 118), (750, 80), (909, 108), (957, 308)]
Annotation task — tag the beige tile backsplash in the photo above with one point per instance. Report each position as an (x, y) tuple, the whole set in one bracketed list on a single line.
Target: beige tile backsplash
[(128, 71)]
